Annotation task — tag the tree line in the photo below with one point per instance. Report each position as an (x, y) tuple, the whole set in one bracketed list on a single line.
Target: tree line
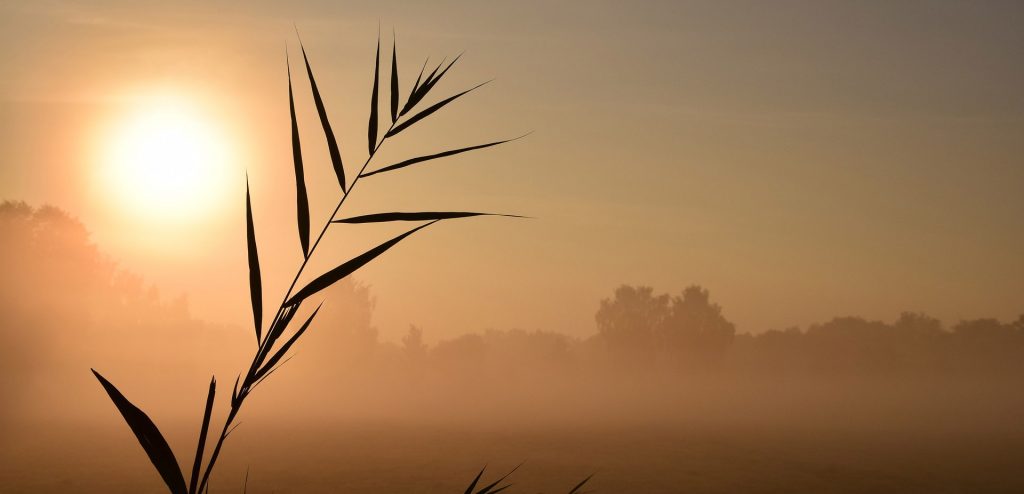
[(63, 300), (639, 329)]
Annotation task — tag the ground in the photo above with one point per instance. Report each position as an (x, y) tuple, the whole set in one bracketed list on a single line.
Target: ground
[(364, 457)]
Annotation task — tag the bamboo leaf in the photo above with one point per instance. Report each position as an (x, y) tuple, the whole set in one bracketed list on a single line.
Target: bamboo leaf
[(275, 331), (576, 490), (418, 93), (234, 391), (417, 216), (149, 437), (282, 323), (332, 143), (432, 81), (492, 485), (232, 429), (435, 156), (329, 278), (415, 87), (374, 102), (394, 80), (472, 485), (287, 345), (202, 437), (272, 371), (255, 283), (301, 199), (426, 113)]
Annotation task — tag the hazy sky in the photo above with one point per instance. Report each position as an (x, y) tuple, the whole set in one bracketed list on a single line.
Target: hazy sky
[(800, 159)]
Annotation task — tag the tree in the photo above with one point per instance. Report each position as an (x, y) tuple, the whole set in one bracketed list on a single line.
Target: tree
[(64, 303), (695, 331), (347, 340), (413, 346), (917, 324), (1018, 325), (48, 259), (982, 330), (54, 277), (628, 322)]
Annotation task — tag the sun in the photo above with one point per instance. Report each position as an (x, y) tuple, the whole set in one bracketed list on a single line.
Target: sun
[(164, 160)]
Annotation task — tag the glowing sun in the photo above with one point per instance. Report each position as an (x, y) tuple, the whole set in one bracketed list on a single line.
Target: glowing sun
[(166, 160)]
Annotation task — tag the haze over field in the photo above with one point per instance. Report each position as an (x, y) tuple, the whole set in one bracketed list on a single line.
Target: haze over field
[(770, 247), (664, 393)]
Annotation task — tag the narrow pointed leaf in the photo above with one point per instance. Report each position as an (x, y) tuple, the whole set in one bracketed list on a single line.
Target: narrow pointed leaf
[(301, 199), (273, 333), (374, 102), (426, 113), (197, 465), (417, 216), (282, 323), (435, 156), (255, 283), (394, 81), (149, 437), (287, 345), (576, 490), (469, 490), (432, 81), (433, 73), (234, 391), (332, 143), (272, 371), (487, 489), (415, 87), (418, 93), (329, 278)]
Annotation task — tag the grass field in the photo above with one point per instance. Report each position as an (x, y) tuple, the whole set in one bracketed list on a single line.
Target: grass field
[(371, 458)]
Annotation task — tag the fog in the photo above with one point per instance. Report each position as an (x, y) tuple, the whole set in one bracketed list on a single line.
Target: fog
[(665, 393)]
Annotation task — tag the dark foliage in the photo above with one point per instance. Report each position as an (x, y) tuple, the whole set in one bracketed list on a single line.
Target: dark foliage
[(270, 355)]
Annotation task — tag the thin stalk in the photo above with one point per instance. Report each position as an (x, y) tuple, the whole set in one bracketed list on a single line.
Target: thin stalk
[(250, 377), (334, 214), (220, 443)]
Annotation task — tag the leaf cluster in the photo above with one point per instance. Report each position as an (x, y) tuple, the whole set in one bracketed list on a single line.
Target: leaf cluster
[(272, 344)]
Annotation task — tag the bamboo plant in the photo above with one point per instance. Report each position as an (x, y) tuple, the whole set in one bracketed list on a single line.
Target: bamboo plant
[(274, 342)]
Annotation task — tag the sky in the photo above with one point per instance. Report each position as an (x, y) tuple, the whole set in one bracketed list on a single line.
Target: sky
[(801, 160)]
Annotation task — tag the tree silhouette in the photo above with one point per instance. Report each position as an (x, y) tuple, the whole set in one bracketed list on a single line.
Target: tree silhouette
[(413, 347), (629, 322), (695, 331), (65, 303)]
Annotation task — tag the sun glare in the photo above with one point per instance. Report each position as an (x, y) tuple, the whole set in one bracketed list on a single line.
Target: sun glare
[(165, 160)]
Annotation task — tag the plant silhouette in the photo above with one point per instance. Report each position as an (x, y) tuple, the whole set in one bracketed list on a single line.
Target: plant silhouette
[(272, 345)]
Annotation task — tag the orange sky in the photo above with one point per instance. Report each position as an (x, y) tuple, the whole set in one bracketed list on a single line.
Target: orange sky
[(800, 159)]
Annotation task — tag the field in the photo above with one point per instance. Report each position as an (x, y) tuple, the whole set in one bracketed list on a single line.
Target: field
[(365, 457)]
